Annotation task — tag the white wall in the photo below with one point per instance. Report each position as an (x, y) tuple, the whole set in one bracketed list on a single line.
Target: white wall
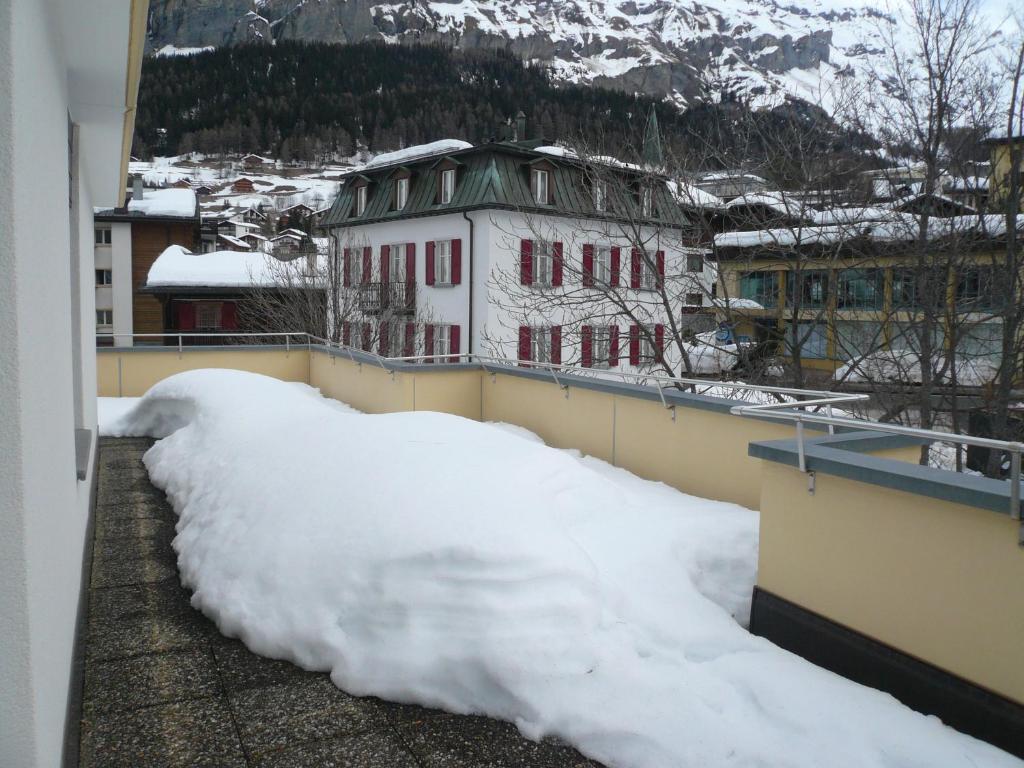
[(47, 381)]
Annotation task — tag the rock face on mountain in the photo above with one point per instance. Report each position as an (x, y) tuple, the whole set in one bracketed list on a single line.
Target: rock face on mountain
[(677, 48)]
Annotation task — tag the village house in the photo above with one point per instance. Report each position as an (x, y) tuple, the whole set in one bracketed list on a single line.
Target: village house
[(445, 249), (127, 240)]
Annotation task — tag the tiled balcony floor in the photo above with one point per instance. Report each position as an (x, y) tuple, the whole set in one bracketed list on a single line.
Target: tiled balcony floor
[(164, 688)]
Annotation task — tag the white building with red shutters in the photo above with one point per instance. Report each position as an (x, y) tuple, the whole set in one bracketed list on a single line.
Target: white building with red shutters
[(511, 250)]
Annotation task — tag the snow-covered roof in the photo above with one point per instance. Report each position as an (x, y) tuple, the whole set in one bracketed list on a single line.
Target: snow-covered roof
[(737, 303), (967, 184), (179, 267), (560, 151), (417, 152), (692, 196), (233, 241), (165, 202)]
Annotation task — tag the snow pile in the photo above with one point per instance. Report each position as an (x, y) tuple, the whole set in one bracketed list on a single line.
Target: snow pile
[(179, 267), (427, 558), (903, 365), (165, 202), (418, 152)]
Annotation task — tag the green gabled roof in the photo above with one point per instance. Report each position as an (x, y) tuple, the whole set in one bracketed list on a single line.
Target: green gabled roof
[(491, 176)]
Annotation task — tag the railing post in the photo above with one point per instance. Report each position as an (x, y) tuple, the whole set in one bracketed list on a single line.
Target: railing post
[(801, 458), (287, 343), (179, 343), (1015, 451)]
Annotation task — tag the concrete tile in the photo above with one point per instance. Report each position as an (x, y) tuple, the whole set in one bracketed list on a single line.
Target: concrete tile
[(181, 735), (158, 529), (278, 716), (131, 504), (160, 678), (368, 750), (136, 601), (147, 634), (119, 562), (241, 669), (440, 740)]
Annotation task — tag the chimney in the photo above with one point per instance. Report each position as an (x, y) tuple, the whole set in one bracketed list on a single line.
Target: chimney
[(137, 187), (520, 134)]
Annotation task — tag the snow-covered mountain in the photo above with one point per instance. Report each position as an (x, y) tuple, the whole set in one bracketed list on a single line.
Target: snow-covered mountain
[(658, 47)]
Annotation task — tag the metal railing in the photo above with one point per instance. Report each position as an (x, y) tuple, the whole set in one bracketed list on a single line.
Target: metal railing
[(253, 337), (397, 295)]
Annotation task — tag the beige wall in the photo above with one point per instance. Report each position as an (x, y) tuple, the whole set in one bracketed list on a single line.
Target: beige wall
[(140, 369), (937, 580)]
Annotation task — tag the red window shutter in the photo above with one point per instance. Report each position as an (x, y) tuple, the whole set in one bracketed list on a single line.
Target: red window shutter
[(430, 262), (456, 263), (346, 333), (613, 345), (382, 341), (367, 264), (635, 266), (588, 265), (410, 340), (634, 345), (186, 316), (587, 346), (526, 263), (556, 264), (660, 260), (659, 340), (428, 342), (346, 274), (556, 344), (616, 267), (454, 342), (228, 316), (524, 342), (385, 263), (410, 271)]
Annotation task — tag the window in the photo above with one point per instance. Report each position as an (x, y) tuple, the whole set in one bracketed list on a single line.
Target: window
[(355, 266), (861, 289), (762, 287), (540, 345), (981, 342), (648, 350), (975, 289), (855, 338), (443, 262), (602, 264), (646, 201), (904, 289), (543, 263), (104, 277), (807, 289), (401, 193), (539, 182), (396, 259), (447, 185), (809, 338), (601, 345), (442, 340), (648, 272), (360, 200), (600, 193), (104, 317), (694, 299), (694, 263), (102, 235), (207, 316)]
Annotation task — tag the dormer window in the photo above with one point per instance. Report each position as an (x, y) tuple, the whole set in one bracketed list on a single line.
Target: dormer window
[(600, 193), (646, 202), (540, 183), (360, 200), (401, 193), (447, 185)]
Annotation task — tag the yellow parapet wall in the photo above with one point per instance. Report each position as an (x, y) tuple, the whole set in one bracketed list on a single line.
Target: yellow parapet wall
[(937, 580), (129, 373)]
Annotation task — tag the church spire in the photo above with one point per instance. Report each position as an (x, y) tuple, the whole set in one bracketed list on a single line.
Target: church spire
[(652, 155)]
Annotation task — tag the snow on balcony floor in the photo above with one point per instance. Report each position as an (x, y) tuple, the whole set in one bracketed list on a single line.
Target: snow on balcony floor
[(428, 559)]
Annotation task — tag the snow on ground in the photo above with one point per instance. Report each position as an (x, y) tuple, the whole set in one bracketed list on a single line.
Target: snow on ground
[(427, 558), (110, 411)]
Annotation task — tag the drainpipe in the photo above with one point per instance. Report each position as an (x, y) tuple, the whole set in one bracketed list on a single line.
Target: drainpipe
[(336, 278), (469, 326)]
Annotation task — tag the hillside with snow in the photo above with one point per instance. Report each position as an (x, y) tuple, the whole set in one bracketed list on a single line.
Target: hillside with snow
[(662, 47)]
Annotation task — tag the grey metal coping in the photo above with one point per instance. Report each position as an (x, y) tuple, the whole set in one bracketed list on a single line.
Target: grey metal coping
[(840, 456)]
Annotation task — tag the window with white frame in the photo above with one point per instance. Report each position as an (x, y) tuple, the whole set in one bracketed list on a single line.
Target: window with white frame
[(694, 262), (694, 299), (104, 318), (646, 201), (543, 262), (396, 262), (540, 183), (540, 344), (355, 266), (600, 345), (447, 185), (648, 350), (442, 340), (102, 235), (602, 264), (104, 277), (648, 271), (600, 194), (443, 262), (207, 316), (401, 193), (360, 200)]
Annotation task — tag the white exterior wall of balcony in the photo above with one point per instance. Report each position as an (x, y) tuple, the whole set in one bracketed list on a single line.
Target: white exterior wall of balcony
[(65, 73), (117, 297)]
